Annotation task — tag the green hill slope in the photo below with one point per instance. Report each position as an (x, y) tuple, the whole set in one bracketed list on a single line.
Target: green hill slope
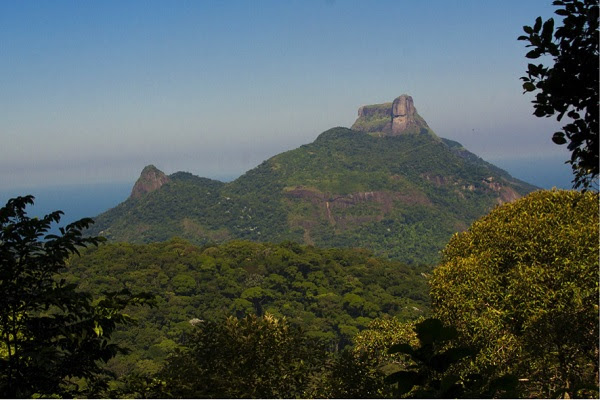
[(330, 293), (401, 196)]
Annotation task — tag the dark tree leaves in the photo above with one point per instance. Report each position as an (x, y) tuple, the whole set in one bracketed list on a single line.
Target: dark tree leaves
[(570, 85), (52, 337)]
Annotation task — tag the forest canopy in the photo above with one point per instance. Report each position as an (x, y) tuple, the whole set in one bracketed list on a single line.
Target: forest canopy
[(331, 294), (521, 287)]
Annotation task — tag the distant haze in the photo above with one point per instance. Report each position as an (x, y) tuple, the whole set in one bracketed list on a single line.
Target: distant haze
[(91, 92)]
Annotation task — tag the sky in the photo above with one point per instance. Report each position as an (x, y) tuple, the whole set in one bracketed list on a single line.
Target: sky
[(92, 91)]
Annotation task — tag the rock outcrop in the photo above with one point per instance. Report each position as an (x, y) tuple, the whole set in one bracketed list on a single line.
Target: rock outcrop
[(376, 110), (403, 114), (150, 180), (391, 119)]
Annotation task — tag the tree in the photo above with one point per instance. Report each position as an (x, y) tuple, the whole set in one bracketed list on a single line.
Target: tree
[(257, 296), (570, 86), (434, 369), (521, 287), (352, 376), (52, 337), (359, 371), (184, 284), (252, 357)]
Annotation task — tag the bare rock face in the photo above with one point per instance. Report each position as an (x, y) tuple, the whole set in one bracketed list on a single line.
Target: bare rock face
[(391, 119), (150, 180), (403, 114)]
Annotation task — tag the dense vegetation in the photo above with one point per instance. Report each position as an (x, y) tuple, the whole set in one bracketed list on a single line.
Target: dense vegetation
[(53, 337), (401, 197), (534, 312), (253, 357), (514, 302), (331, 294), (517, 293), (516, 307)]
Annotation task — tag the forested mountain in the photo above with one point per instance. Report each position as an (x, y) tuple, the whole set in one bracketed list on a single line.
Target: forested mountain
[(395, 188)]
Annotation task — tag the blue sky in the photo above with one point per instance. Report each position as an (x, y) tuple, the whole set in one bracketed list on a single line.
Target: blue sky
[(91, 92)]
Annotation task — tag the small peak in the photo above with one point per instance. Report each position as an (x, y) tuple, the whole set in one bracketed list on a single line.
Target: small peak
[(151, 169), (150, 180)]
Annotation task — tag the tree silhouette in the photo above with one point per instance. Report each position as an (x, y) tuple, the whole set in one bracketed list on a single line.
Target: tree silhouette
[(52, 336), (570, 86)]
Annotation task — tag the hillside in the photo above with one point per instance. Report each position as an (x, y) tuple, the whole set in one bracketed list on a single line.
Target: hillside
[(331, 294), (400, 193)]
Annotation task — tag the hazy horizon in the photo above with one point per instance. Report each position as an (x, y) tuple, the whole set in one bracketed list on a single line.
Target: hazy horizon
[(542, 171), (94, 91)]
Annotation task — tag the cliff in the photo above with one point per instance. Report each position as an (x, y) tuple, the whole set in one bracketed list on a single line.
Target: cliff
[(399, 117)]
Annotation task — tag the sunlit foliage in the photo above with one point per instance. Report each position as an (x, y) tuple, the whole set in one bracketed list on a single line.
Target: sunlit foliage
[(521, 287)]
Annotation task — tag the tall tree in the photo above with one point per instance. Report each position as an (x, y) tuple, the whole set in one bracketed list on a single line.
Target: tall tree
[(52, 337), (570, 86), (521, 287)]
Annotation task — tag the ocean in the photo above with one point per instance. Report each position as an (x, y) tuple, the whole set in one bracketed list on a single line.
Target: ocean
[(76, 201), (546, 173)]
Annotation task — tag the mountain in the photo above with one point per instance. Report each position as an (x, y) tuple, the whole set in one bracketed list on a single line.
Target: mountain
[(390, 184)]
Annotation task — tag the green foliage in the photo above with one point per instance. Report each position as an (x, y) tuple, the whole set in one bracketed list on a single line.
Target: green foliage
[(401, 197), (429, 363), (52, 337), (330, 293), (352, 376), (359, 371), (570, 86), (184, 284), (253, 357), (257, 296), (521, 287), (432, 373)]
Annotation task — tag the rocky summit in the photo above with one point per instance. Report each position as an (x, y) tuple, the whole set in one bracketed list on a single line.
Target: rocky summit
[(399, 117), (390, 185), (150, 180)]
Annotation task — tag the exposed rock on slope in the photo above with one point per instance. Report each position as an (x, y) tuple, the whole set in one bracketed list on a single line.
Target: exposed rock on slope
[(391, 119), (403, 114), (150, 180)]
